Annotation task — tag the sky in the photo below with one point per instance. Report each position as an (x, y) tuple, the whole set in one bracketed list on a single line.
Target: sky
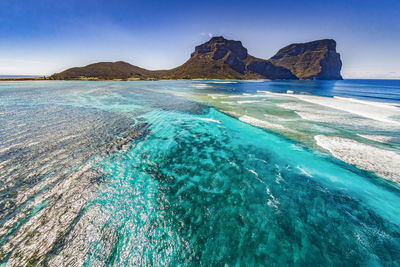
[(42, 37)]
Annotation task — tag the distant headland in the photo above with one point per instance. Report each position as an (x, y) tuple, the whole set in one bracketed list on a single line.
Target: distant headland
[(220, 58)]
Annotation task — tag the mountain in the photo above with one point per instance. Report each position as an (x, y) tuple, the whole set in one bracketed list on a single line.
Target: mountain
[(104, 71), (220, 58), (316, 60)]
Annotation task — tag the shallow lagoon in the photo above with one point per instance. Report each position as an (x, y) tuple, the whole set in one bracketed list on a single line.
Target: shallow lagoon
[(101, 173)]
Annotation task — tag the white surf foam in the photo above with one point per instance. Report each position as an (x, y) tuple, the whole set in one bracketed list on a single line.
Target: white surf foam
[(209, 120), (373, 103), (253, 172), (377, 138), (257, 81), (261, 123), (248, 101), (273, 202), (303, 171), (384, 163), (200, 85), (310, 112), (376, 111), (318, 117), (277, 118), (224, 82), (228, 102), (215, 96), (247, 96), (232, 113), (271, 94)]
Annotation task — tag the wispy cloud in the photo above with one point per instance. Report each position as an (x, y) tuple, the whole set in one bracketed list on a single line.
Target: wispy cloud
[(207, 34)]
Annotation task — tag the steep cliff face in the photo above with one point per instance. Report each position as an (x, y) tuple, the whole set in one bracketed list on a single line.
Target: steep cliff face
[(232, 52), (317, 60), (220, 58), (269, 70)]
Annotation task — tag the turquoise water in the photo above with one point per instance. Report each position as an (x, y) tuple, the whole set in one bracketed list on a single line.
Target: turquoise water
[(126, 173)]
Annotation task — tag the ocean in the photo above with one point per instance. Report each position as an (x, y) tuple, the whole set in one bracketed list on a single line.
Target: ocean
[(258, 173), (18, 76)]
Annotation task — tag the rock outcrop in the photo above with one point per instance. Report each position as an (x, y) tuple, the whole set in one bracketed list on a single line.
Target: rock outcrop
[(268, 70), (317, 60), (220, 58)]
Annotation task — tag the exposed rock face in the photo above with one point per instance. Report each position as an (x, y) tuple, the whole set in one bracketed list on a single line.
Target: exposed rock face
[(220, 58), (267, 69), (317, 60), (231, 55), (220, 46)]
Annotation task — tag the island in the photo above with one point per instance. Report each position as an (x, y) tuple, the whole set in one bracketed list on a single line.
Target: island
[(220, 58)]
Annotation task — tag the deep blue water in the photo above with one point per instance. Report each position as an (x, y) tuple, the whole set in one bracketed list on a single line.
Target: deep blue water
[(126, 173), (372, 90), (18, 76)]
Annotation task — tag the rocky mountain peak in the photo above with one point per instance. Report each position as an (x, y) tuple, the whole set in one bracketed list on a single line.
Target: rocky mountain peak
[(220, 47), (220, 58), (312, 60)]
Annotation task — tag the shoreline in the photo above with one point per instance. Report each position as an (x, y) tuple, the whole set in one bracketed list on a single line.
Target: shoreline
[(131, 79), (195, 79)]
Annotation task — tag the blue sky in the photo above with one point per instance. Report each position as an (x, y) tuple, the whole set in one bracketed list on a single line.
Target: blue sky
[(47, 36)]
